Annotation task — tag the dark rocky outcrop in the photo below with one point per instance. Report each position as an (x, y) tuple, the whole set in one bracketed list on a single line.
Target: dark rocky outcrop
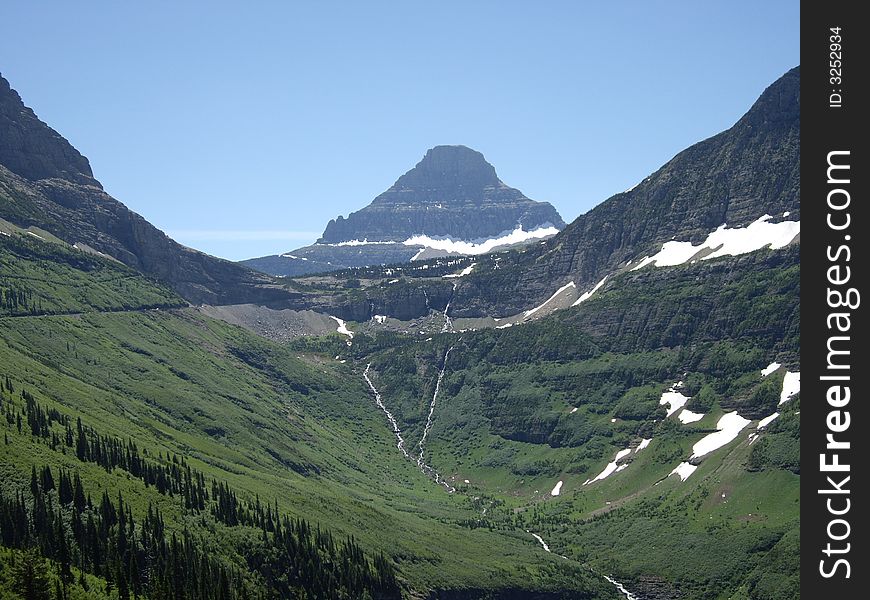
[(45, 182), (452, 192), (735, 177), (31, 149)]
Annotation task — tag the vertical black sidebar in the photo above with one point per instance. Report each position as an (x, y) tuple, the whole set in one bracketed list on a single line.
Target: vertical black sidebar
[(835, 426)]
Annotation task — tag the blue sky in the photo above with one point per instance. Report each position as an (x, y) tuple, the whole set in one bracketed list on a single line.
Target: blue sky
[(242, 128)]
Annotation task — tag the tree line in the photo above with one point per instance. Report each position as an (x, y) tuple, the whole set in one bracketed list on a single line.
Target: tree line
[(57, 518)]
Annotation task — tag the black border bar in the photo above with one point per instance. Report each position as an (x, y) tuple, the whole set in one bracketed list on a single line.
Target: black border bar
[(834, 233)]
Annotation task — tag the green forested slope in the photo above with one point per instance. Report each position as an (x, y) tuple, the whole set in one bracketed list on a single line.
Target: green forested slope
[(295, 430), (522, 408)]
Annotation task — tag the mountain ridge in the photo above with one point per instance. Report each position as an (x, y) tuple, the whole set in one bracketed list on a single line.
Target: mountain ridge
[(47, 183), (433, 199), (451, 194), (732, 178)]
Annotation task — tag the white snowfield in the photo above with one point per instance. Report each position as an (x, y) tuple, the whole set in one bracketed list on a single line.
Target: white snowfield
[(686, 416), (673, 399), (759, 234), (485, 246), (466, 271), (727, 242), (555, 295), (770, 369), (343, 330), (342, 327), (791, 385), (586, 295), (363, 242), (767, 420), (684, 469), (557, 490), (379, 319), (729, 426), (611, 467), (643, 444)]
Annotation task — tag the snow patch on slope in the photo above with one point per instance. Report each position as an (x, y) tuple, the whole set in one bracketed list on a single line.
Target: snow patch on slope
[(727, 242), (684, 469), (791, 385), (729, 426), (342, 328), (555, 295), (770, 369), (516, 236), (673, 399), (686, 416), (611, 467), (466, 271), (767, 420), (586, 295)]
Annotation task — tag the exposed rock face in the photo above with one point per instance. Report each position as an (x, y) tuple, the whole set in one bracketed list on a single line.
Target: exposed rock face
[(452, 192), (33, 150), (735, 177), (45, 182)]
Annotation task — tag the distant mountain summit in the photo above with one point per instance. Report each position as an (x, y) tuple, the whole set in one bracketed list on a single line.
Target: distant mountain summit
[(452, 201), (453, 192)]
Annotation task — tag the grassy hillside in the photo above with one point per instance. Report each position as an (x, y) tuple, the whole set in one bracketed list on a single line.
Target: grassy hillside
[(291, 430), (49, 278), (523, 408)]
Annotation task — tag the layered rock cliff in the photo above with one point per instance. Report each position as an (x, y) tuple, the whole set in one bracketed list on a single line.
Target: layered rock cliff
[(733, 178), (453, 192)]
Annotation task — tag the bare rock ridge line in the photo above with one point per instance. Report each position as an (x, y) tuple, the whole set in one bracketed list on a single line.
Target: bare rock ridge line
[(436, 197), (451, 201), (47, 183)]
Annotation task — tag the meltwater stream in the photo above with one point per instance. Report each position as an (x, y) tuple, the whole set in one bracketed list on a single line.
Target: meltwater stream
[(420, 461), (401, 442), (619, 587)]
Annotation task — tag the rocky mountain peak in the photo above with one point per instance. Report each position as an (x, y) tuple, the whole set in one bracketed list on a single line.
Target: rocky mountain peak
[(452, 192), (33, 150), (451, 170), (779, 103)]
